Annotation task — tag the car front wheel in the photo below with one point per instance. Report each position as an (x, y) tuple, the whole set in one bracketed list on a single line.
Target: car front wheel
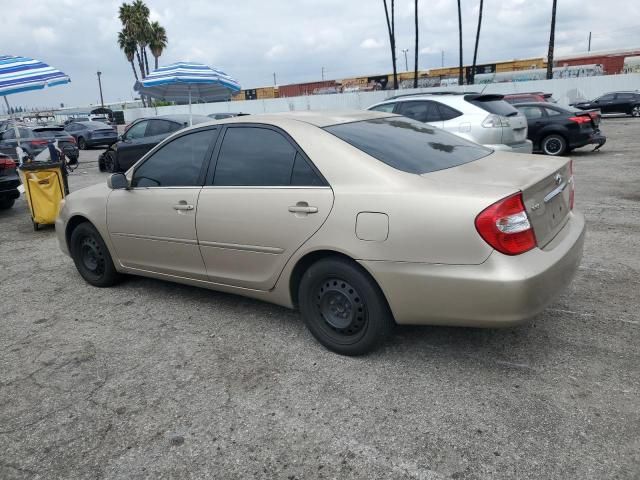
[(109, 162), (82, 144), (343, 307), (91, 256), (6, 203), (635, 111), (554, 145)]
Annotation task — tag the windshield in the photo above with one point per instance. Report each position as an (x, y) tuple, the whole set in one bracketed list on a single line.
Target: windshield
[(408, 145)]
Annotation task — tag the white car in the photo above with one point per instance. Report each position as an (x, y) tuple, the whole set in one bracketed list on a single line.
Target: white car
[(485, 119)]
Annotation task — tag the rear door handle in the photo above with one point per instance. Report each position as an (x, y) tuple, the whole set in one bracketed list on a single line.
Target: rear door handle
[(303, 209), (183, 206)]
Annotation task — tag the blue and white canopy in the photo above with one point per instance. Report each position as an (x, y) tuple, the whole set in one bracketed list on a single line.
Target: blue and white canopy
[(21, 74), (186, 81)]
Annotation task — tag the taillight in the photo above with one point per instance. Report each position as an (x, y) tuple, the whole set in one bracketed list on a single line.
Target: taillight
[(495, 121), (505, 226), (572, 186), (581, 119), (38, 143), (7, 163), (72, 140)]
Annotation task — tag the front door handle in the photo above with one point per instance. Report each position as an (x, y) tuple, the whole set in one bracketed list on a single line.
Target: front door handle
[(183, 206)]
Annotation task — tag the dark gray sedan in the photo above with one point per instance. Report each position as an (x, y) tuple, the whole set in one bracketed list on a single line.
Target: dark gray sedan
[(92, 134)]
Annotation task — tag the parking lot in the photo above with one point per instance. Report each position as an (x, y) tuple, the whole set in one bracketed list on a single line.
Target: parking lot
[(156, 380)]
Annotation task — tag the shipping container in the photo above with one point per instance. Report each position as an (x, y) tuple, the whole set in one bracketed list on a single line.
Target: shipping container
[(299, 89)]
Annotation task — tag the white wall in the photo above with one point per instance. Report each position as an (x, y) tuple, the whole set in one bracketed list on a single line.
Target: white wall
[(565, 90)]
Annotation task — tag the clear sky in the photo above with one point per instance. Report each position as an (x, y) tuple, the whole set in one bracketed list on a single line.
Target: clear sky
[(252, 39)]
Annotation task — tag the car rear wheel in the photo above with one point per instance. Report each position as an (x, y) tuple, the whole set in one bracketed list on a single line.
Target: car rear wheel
[(82, 144), (91, 256), (343, 307), (554, 145), (7, 203), (635, 111)]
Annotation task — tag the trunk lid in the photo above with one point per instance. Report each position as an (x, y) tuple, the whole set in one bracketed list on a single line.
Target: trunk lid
[(516, 132), (543, 181)]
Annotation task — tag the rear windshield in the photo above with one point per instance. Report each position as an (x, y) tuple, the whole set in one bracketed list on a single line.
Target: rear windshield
[(408, 145), (48, 133), (492, 105)]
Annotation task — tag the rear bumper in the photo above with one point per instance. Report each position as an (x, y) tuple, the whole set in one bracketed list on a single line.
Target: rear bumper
[(503, 291), (101, 141), (9, 186), (594, 138), (524, 147)]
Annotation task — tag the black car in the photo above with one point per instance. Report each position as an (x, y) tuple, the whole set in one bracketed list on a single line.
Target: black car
[(92, 134), (34, 140), (9, 182), (614, 102), (555, 130), (141, 136)]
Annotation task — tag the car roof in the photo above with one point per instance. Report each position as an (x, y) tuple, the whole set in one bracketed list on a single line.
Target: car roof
[(320, 119), (177, 117)]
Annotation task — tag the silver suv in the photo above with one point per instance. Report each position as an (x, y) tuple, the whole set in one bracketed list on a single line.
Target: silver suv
[(485, 119)]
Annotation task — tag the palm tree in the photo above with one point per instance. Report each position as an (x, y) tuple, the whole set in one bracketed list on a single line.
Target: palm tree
[(552, 40), (415, 68), (475, 49), (460, 76), (129, 17), (391, 27), (128, 45), (157, 41)]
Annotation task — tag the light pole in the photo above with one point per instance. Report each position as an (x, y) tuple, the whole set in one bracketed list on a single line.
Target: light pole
[(406, 63), (99, 73), (323, 74)]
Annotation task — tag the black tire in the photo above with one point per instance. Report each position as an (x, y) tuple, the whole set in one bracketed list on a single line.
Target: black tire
[(635, 111), (343, 307), (109, 160), (91, 256), (82, 144), (554, 145), (7, 203)]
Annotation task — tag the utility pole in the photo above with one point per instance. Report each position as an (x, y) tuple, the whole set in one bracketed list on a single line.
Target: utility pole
[(442, 59), (589, 47), (275, 83), (322, 73), (99, 73), (406, 63)]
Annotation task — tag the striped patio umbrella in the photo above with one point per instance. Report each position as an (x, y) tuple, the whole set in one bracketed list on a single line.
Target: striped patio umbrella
[(188, 81), (22, 74)]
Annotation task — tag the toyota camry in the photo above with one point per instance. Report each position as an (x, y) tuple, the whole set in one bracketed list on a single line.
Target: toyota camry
[(361, 220)]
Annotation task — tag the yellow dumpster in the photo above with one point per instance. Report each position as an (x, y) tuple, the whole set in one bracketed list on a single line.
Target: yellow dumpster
[(44, 186)]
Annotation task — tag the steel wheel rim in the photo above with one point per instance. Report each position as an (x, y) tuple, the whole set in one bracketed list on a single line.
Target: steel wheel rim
[(341, 311), (553, 146), (91, 256)]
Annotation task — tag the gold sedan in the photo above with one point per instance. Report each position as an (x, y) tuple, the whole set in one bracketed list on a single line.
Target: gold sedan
[(359, 219)]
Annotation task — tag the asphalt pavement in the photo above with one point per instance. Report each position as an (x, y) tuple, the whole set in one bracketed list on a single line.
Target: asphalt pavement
[(155, 380)]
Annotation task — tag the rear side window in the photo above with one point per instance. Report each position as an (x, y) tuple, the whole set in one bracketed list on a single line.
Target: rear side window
[(421, 111), (494, 105), (448, 113), (625, 96), (254, 156), (531, 113), (387, 108), (408, 145), (159, 127)]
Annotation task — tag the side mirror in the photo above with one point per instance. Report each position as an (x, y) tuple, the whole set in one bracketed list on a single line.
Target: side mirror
[(117, 181)]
